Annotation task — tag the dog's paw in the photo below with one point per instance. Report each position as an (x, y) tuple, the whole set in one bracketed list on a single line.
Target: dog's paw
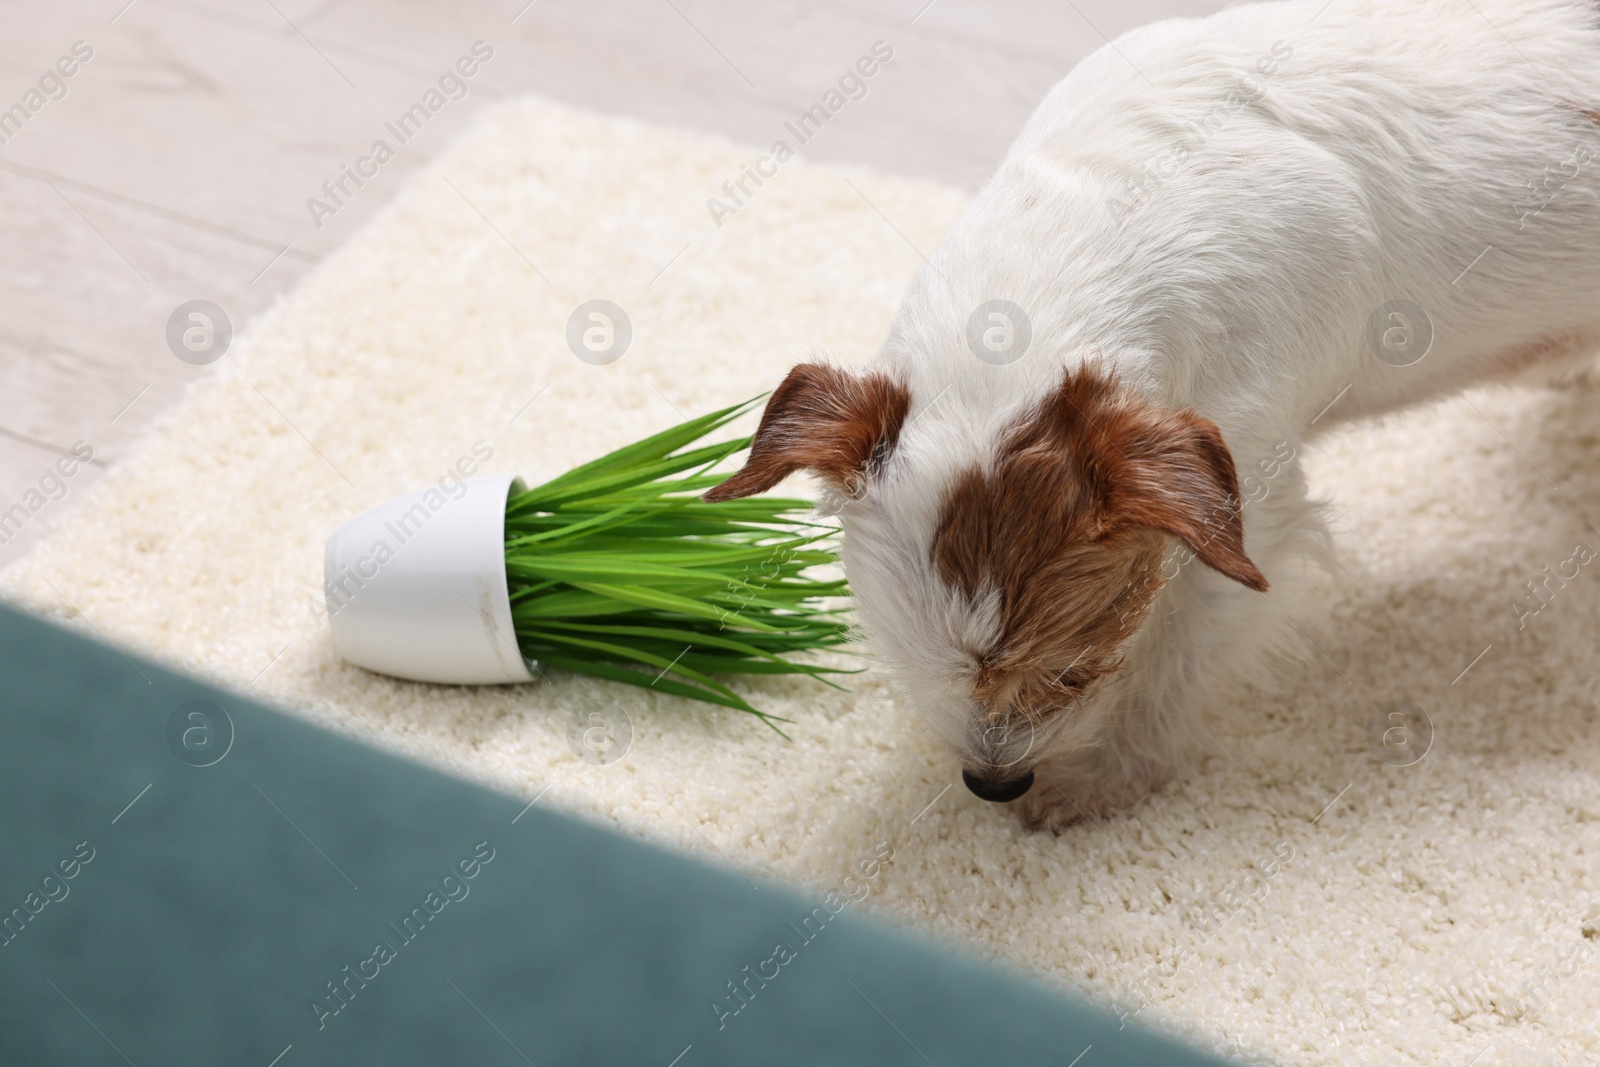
[(1047, 810), (1058, 801)]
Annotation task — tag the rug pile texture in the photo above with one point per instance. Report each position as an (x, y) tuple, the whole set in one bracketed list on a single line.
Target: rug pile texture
[(1294, 899)]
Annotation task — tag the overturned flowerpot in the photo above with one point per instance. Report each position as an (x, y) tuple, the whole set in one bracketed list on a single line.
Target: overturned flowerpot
[(416, 587), (620, 569)]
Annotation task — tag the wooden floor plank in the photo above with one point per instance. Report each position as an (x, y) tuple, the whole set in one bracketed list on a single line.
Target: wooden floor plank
[(180, 161)]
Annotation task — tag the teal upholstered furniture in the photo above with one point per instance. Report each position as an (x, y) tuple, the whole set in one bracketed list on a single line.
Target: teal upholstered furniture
[(175, 895)]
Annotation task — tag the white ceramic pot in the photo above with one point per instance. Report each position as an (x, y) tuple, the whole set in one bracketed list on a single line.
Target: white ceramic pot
[(416, 588)]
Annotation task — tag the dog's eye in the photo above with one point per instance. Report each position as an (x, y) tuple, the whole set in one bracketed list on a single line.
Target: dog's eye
[(1070, 681)]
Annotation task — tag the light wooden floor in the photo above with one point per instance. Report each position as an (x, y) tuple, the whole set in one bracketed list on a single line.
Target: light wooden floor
[(178, 164)]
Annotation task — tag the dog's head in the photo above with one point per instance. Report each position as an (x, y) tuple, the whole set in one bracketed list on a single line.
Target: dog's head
[(1005, 589)]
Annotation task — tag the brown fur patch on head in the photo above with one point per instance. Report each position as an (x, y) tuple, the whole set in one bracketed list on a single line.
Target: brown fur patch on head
[(826, 420), (1066, 525)]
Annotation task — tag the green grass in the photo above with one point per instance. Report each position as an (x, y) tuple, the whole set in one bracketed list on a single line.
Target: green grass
[(619, 570)]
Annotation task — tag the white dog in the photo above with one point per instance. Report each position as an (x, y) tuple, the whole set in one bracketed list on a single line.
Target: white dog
[(1214, 239)]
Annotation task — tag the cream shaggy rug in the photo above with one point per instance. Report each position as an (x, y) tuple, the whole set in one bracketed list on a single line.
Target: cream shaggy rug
[(1294, 900)]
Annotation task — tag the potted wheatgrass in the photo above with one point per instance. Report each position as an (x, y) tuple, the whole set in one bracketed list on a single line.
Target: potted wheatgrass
[(615, 569)]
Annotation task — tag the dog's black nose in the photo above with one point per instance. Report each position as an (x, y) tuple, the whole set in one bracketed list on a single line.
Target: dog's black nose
[(998, 790)]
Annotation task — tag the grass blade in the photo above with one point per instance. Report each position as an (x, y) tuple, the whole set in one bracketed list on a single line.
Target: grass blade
[(618, 569)]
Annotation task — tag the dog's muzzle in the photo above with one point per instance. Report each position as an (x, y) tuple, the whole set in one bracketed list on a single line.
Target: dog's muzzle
[(998, 790)]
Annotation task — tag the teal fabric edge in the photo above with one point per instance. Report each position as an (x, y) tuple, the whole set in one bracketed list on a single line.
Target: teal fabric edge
[(189, 876)]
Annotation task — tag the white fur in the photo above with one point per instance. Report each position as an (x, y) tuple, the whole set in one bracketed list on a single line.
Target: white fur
[(1232, 266)]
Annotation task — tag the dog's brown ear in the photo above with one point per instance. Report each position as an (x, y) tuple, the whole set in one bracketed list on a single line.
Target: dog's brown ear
[(825, 420), (1178, 477)]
